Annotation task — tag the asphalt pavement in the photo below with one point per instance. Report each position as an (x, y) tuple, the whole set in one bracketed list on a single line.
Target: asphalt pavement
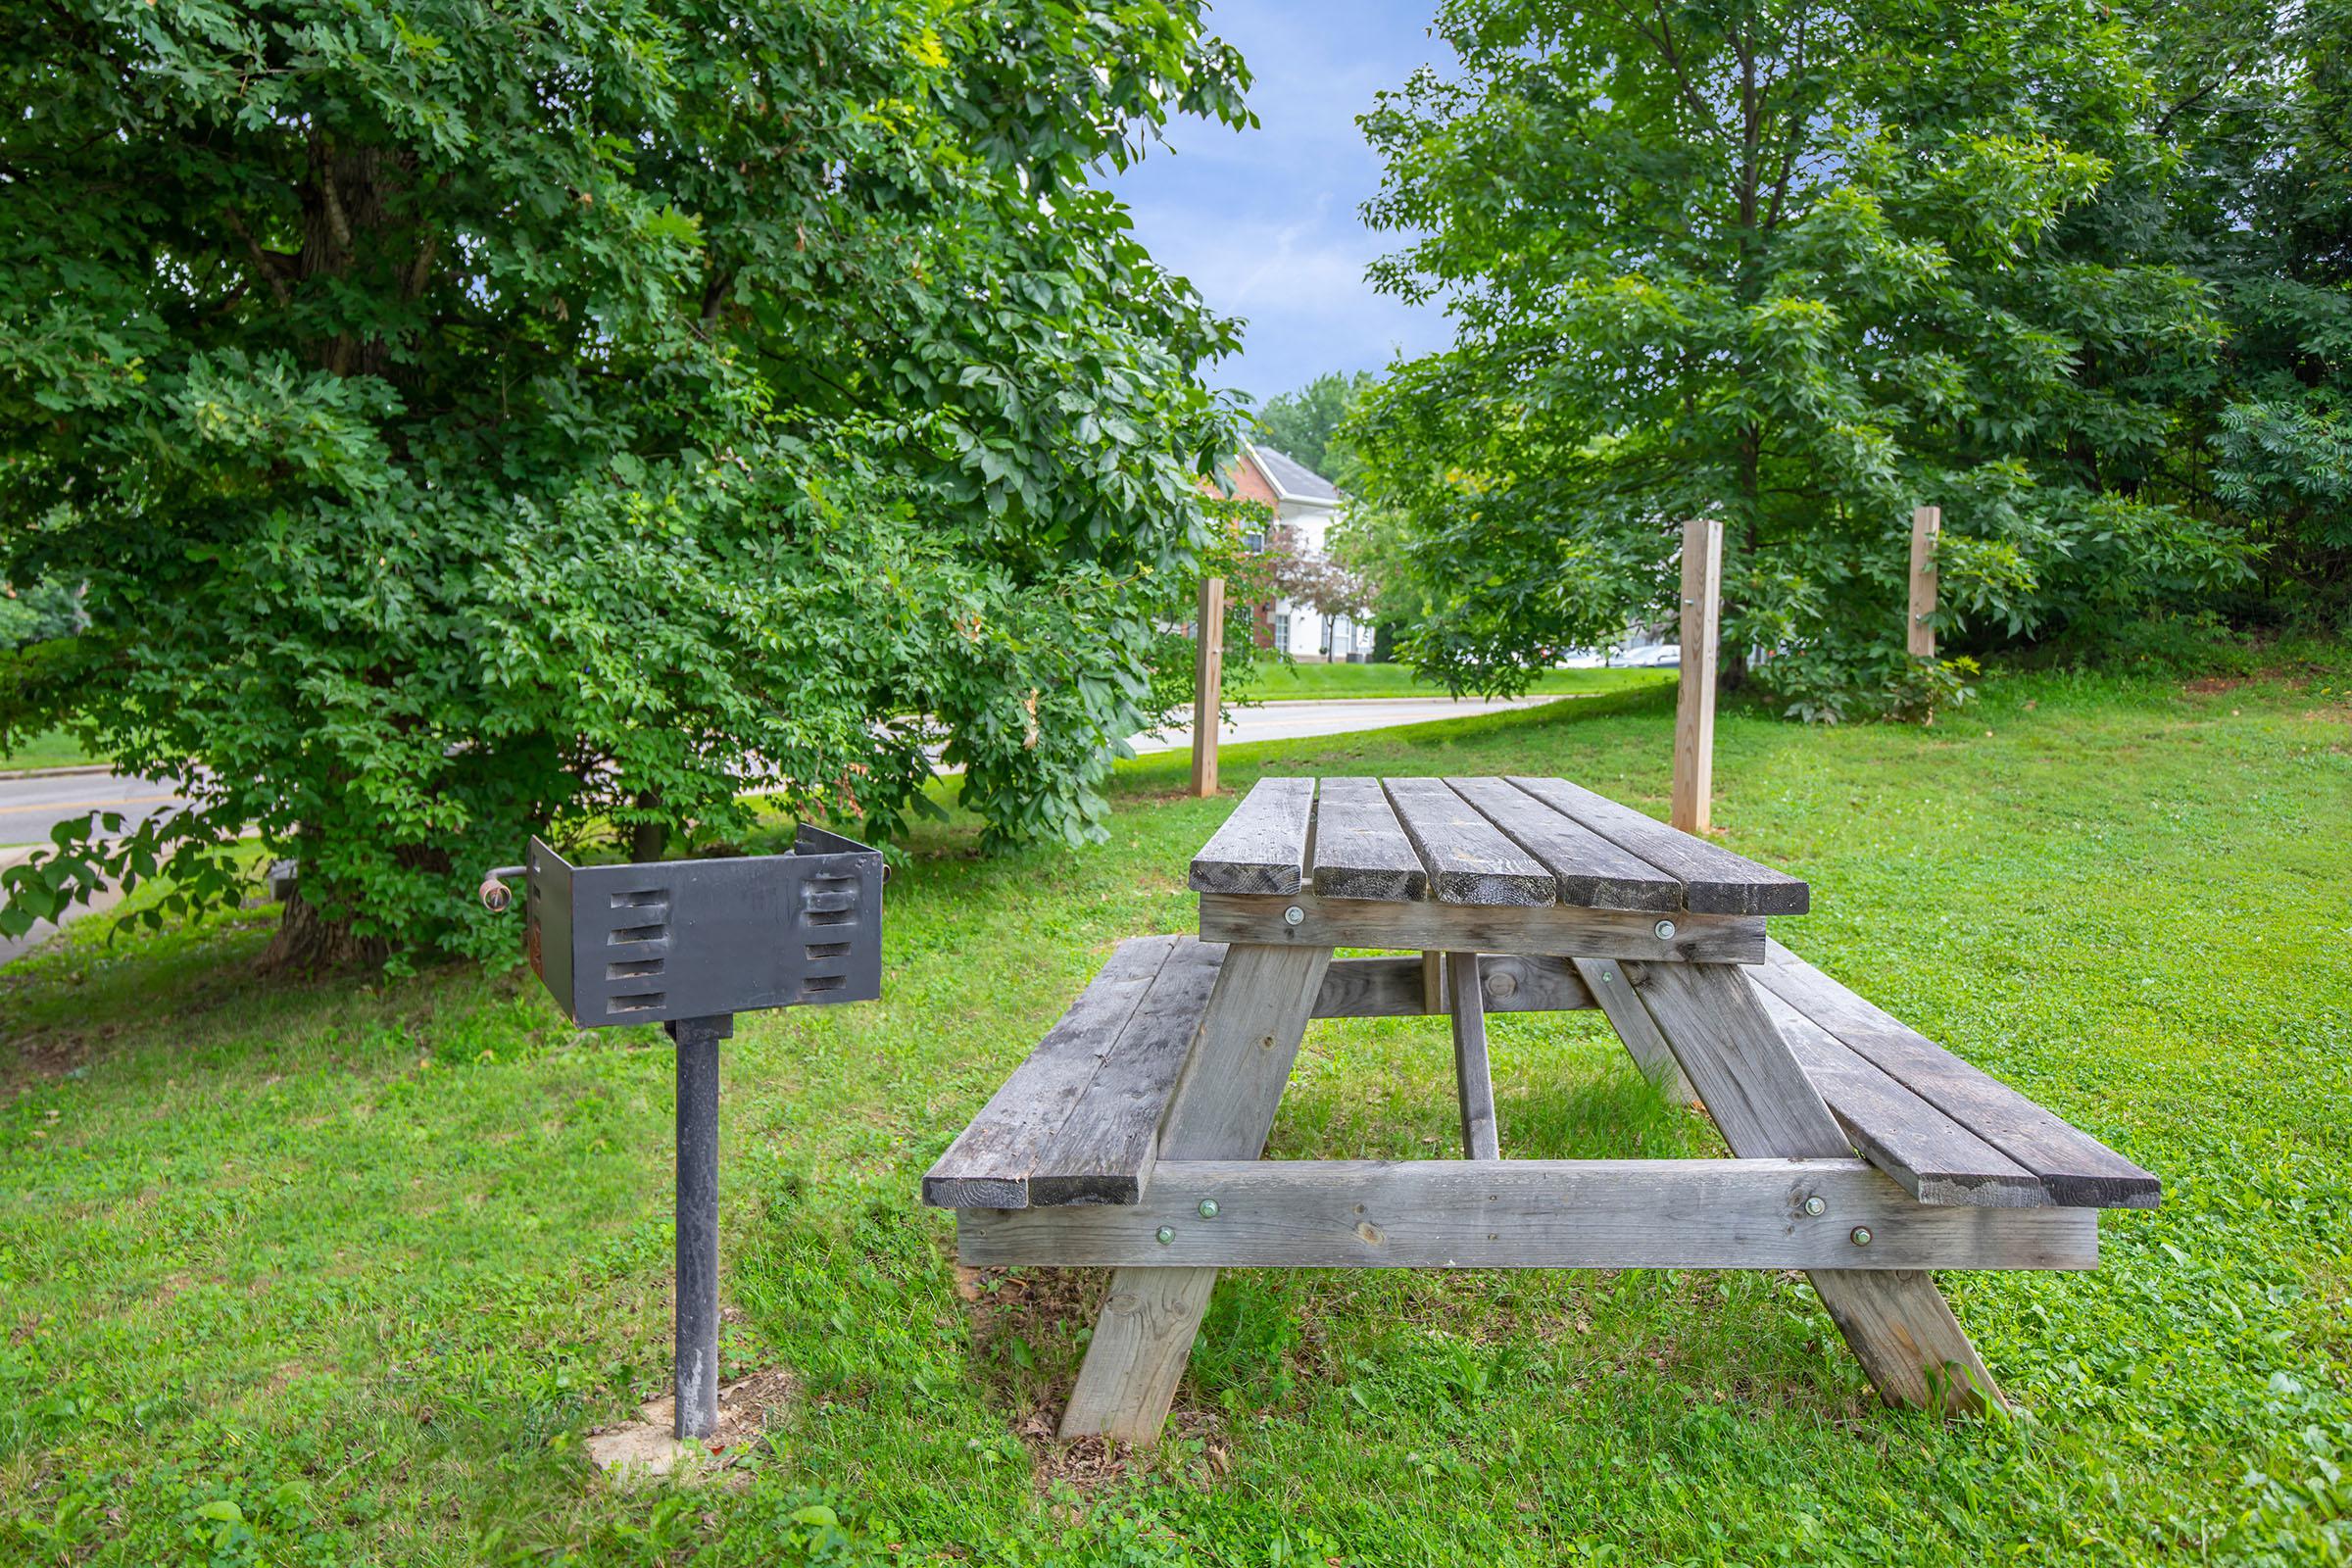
[(31, 805)]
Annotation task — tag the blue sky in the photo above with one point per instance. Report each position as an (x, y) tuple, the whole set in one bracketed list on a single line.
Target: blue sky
[(1265, 221)]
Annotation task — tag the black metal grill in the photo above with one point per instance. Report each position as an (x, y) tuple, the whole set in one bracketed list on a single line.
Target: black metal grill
[(691, 939)]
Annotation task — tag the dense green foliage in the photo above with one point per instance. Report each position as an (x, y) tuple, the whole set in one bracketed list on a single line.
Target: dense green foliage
[(343, 1273), (493, 414), (2259, 97), (1306, 424), (1813, 266)]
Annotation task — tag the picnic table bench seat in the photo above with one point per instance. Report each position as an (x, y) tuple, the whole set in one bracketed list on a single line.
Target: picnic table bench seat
[(1947, 1132), (1078, 1121)]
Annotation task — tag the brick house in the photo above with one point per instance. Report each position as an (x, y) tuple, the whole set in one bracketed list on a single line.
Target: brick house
[(1305, 504)]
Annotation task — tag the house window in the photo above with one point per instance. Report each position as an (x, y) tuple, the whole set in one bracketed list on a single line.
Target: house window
[(1254, 543), (1282, 631)]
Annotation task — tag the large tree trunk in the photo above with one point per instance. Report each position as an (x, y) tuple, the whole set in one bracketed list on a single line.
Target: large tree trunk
[(307, 943)]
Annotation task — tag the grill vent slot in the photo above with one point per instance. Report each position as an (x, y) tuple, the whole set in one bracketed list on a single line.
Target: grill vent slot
[(642, 899), (623, 935), (632, 968), (825, 982), (639, 1002), (827, 950)]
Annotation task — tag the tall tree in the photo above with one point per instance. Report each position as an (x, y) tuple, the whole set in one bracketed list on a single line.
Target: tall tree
[(485, 414), (1806, 265), (2260, 98), (1306, 424)]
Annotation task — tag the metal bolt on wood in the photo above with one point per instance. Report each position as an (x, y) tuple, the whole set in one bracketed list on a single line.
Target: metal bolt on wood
[(1209, 1209), (1167, 1234), (1816, 1207), (1665, 930), (1861, 1236), (1292, 915)]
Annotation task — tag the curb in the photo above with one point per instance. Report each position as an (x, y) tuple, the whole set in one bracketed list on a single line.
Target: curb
[(80, 770)]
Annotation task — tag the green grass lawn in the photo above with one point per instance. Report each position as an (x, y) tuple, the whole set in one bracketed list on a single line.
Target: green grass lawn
[(345, 1272), (1272, 682), (49, 749)]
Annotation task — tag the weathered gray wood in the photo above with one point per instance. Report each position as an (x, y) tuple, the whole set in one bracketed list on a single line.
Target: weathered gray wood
[(1736, 1060), (1897, 1325), (1613, 993), (988, 1165), (1590, 871), (1396, 988), (1521, 1213), (1433, 981), (1222, 1110), (1474, 1083), (2075, 1167), (1933, 1158), (1361, 850), (1715, 881), (1262, 846), (1469, 859), (1103, 1152), (1481, 928)]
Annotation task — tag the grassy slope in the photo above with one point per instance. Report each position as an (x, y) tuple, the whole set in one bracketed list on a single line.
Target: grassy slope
[(363, 1265), (49, 749), (1276, 683)]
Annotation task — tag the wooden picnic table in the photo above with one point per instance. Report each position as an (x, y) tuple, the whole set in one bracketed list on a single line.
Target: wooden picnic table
[(1862, 1152)]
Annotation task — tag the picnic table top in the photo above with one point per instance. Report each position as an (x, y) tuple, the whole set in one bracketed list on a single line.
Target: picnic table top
[(1509, 841)]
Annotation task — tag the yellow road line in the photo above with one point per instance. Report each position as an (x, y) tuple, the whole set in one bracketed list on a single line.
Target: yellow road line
[(92, 806)]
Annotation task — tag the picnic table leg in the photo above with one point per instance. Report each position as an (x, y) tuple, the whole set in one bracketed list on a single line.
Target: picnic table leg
[(1474, 1079), (1222, 1109), (1898, 1323), (1606, 979)]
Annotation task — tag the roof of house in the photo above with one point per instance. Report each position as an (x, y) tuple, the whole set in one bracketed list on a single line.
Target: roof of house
[(1292, 479)]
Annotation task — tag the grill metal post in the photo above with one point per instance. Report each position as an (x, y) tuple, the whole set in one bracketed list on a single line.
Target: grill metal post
[(693, 1359)]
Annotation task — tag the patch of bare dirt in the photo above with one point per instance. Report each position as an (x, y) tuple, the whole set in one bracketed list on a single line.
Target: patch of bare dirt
[(645, 1450)]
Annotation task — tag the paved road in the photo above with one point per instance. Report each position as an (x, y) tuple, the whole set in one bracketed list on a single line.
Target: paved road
[(1283, 721), (31, 806)]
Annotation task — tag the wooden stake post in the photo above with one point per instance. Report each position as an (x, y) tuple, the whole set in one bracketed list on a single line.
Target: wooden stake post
[(1926, 526), (1694, 706), (1208, 676)]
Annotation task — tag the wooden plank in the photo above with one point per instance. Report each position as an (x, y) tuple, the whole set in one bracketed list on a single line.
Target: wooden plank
[(1474, 1083), (1481, 928), (1103, 1152), (1715, 881), (2075, 1167), (1589, 870), (1695, 696), (1469, 862), (1208, 682), (1223, 1107), (1897, 1324), (1262, 846), (988, 1165), (1613, 993), (1527, 1213), (1433, 982), (1396, 986), (1927, 528), (1361, 850), (1736, 1060), (1932, 1157)]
